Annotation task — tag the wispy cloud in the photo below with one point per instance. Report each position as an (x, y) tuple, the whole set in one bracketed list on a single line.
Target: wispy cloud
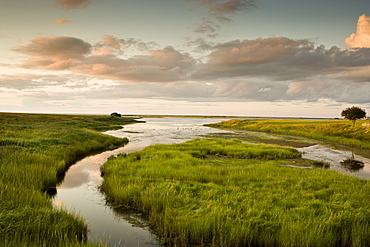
[(223, 10), (208, 28), (61, 21), (73, 4), (219, 12)]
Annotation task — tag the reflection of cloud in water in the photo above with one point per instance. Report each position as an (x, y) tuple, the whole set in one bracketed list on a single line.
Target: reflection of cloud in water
[(76, 178), (59, 203), (81, 181)]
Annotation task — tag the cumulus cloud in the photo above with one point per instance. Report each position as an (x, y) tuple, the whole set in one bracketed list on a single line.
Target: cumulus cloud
[(68, 53), (222, 10), (73, 4), (280, 59), (162, 65), (61, 21), (270, 69), (114, 45), (111, 42), (55, 53), (109, 45), (361, 38)]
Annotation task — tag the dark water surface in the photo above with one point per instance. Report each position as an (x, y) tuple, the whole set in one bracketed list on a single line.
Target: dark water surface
[(79, 191)]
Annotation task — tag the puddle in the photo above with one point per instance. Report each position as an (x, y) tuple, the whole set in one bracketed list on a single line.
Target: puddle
[(335, 157)]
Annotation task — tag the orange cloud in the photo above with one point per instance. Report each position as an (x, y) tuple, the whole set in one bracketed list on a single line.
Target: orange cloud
[(157, 66), (73, 4), (61, 21), (360, 39), (109, 45), (111, 42), (54, 52), (280, 59)]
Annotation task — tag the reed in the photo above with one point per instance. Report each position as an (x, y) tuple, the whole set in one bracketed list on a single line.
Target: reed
[(213, 192), (35, 151)]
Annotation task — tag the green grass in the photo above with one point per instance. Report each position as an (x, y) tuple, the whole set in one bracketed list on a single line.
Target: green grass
[(35, 151), (214, 192), (335, 131)]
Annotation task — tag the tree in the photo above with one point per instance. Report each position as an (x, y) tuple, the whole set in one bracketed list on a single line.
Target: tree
[(353, 113), (115, 114)]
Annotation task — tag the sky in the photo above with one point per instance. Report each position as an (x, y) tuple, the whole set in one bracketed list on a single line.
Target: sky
[(287, 58)]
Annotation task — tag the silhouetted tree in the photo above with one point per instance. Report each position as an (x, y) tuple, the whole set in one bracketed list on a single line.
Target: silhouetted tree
[(353, 113), (115, 114)]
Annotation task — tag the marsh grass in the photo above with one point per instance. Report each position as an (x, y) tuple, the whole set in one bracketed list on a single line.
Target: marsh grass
[(35, 151), (213, 192), (335, 131)]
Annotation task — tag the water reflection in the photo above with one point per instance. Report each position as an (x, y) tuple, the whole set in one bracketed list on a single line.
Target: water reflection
[(79, 192), (335, 157)]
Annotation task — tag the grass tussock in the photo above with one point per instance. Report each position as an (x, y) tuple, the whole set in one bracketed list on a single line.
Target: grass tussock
[(336, 131), (35, 150), (214, 192)]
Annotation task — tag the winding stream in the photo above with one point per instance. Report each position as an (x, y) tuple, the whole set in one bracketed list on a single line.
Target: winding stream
[(79, 191)]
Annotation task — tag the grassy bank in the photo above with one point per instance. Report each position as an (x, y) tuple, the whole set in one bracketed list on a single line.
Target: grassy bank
[(335, 131), (35, 150), (215, 192)]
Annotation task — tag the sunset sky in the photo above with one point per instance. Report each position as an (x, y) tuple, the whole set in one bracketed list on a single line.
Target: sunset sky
[(198, 57)]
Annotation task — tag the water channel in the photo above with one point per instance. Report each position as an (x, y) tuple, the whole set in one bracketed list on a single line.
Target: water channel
[(79, 191)]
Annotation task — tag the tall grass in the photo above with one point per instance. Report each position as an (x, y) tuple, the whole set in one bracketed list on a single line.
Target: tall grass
[(333, 131), (35, 150), (214, 192)]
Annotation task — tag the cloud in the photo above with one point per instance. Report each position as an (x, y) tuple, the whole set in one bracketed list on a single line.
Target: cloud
[(280, 59), (69, 53), (271, 69), (219, 11), (200, 44), (222, 10), (361, 38), (61, 21), (109, 45), (161, 65), (208, 28), (114, 45), (73, 4), (56, 53), (111, 42)]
